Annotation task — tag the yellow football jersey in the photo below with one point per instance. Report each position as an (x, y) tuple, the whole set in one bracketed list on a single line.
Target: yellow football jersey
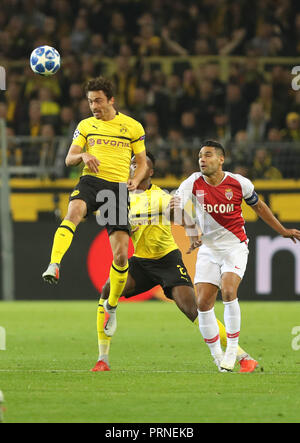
[(153, 238), (112, 142)]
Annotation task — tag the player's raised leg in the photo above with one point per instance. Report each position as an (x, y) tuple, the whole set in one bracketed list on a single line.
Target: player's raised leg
[(232, 318), (63, 239), (119, 241)]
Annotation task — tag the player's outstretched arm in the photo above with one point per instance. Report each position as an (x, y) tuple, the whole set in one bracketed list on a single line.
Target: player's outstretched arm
[(76, 156), (265, 213), (181, 217)]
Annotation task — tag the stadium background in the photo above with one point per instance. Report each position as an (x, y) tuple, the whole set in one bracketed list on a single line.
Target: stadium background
[(188, 71)]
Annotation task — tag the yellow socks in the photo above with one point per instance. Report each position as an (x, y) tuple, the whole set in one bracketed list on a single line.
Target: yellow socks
[(103, 340), (118, 277), (62, 240)]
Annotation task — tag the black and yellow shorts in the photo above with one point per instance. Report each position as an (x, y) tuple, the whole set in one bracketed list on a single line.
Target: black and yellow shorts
[(112, 197), (168, 272)]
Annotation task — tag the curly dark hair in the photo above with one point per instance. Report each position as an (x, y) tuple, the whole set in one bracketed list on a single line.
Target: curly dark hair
[(100, 84)]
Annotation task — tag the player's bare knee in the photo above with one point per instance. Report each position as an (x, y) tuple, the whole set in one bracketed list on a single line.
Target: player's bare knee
[(74, 219), (120, 257), (228, 294), (204, 305), (76, 212)]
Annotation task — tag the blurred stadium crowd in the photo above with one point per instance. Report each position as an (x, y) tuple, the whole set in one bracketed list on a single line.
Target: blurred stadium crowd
[(253, 107)]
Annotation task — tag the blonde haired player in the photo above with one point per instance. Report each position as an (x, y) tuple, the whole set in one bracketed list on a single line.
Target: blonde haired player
[(105, 143)]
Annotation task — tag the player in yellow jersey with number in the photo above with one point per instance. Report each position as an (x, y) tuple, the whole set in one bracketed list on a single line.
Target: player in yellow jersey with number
[(156, 261), (105, 144)]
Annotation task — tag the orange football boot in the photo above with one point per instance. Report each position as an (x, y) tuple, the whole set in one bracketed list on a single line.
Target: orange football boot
[(100, 366), (248, 364)]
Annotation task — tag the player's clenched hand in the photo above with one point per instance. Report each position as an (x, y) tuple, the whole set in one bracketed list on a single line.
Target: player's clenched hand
[(176, 211), (293, 234), (91, 162), (175, 203), (194, 245), (132, 184)]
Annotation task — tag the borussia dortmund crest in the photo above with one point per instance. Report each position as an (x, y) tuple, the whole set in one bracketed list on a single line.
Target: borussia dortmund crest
[(123, 129)]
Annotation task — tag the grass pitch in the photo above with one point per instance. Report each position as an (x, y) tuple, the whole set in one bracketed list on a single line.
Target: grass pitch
[(161, 369)]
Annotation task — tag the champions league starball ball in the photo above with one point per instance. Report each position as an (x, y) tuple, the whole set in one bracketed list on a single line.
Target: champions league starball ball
[(45, 60)]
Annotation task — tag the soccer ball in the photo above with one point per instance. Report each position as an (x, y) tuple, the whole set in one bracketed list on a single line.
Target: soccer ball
[(45, 60)]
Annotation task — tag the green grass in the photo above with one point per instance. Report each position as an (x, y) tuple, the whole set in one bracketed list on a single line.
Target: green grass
[(161, 369)]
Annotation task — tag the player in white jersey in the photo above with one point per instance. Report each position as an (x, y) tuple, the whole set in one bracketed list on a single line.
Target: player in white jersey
[(222, 258)]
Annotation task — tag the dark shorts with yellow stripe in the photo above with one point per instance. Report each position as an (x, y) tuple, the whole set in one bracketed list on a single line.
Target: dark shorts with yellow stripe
[(168, 272), (111, 198)]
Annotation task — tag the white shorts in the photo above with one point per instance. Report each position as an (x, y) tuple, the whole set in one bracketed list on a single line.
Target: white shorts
[(212, 264)]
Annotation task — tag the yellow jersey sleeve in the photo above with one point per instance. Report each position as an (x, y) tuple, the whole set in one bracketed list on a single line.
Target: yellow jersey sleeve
[(138, 140), (79, 137), (153, 239), (164, 202)]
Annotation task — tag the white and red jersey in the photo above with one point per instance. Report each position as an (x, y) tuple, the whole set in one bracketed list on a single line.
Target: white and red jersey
[(218, 211)]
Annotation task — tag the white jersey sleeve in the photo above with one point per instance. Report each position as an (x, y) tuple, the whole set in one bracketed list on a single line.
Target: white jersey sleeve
[(185, 190), (187, 197), (249, 194)]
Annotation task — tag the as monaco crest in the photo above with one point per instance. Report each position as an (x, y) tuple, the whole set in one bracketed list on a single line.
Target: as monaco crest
[(228, 194)]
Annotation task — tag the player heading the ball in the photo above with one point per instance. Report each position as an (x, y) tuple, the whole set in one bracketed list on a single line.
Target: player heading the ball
[(105, 143)]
